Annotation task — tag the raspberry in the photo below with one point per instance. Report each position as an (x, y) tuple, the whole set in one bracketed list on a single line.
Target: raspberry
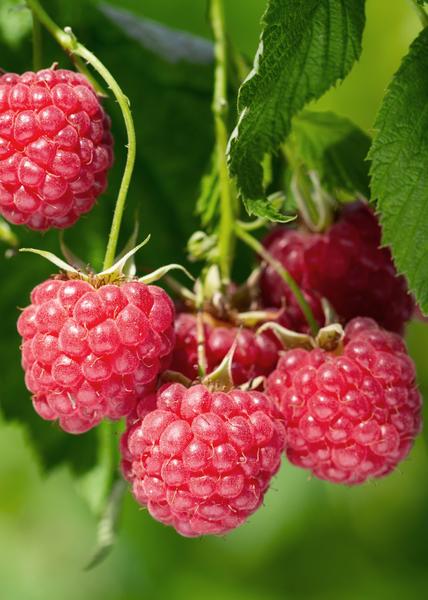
[(353, 416), (254, 355), (202, 461), (345, 265), (89, 352), (55, 148)]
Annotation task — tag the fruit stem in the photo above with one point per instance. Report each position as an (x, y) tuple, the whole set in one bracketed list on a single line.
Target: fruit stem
[(68, 41), (124, 105), (306, 206), (283, 273), (107, 455), (200, 330), (63, 39), (423, 16), (220, 110), (37, 44)]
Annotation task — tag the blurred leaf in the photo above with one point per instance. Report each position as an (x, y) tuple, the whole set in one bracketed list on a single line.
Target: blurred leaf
[(108, 524), (7, 235), (170, 44), (400, 168), (335, 148), (305, 48), (15, 22)]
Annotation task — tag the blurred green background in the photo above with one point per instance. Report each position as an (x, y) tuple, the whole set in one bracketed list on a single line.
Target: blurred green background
[(311, 540)]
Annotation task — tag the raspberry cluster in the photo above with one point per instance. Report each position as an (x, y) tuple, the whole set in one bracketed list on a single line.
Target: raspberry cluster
[(55, 148), (255, 355), (202, 461), (90, 353), (93, 347), (351, 415), (345, 265)]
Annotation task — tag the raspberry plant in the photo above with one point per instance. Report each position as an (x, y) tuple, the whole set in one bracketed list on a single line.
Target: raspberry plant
[(293, 351)]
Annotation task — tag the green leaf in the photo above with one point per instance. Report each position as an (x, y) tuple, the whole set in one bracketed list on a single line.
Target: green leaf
[(400, 168), (333, 147), (266, 209), (305, 48)]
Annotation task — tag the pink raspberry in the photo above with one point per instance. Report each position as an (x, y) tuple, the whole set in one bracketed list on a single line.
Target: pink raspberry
[(353, 415), (254, 355), (55, 148), (92, 352), (202, 461), (345, 265)]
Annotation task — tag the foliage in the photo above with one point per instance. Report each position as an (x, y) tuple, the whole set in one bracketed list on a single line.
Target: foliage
[(333, 147), (399, 170), (305, 48)]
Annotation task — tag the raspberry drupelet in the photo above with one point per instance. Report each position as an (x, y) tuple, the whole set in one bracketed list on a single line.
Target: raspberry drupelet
[(55, 148), (202, 461), (92, 352), (352, 415), (345, 265), (255, 354)]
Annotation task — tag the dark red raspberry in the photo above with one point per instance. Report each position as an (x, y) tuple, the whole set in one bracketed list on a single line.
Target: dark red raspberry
[(55, 148), (254, 355), (345, 265), (92, 353), (202, 461), (350, 416)]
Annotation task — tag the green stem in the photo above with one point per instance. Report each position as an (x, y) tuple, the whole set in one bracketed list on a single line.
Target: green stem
[(253, 225), (283, 273), (423, 16), (69, 43), (220, 111), (107, 455), (65, 40), (123, 102), (304, 202), (200, 330), (37, 45), (200, 336)]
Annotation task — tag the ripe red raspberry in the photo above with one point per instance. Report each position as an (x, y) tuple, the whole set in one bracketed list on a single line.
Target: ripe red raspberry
[(90, 353), (202, 461), (55, 148), (254, 355), (344, 265), (349, 416)]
